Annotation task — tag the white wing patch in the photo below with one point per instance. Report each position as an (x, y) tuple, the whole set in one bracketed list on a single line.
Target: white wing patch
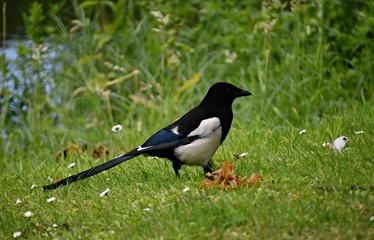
[(140, 148), (200, 151), (175, 130), (206, 127)]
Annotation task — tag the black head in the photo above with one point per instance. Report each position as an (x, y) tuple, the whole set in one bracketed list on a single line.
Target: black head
[(223, 92)]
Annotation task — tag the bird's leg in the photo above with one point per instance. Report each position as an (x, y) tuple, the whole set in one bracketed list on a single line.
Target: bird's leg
[(177, 166), (208, 168)]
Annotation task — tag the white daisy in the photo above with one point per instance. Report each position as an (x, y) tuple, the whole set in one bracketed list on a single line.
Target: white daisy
[(71, 165), (51, 199), (28, 214), (105, 192), (17, 234), (117, 128), (243, 154)]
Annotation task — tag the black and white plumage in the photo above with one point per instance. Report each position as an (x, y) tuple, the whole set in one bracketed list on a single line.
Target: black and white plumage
[(192, 140)]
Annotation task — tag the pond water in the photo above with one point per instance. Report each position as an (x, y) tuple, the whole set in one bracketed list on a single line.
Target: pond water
[(10, 51)]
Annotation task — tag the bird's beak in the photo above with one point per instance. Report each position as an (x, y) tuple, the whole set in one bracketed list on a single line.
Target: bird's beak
[(244, 93)]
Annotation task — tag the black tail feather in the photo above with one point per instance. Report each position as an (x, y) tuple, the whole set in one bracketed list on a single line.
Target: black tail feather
[(90, 172)]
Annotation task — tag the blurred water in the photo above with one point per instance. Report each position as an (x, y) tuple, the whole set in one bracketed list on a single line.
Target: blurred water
[(11, 55), (10, 52), (21, 71)]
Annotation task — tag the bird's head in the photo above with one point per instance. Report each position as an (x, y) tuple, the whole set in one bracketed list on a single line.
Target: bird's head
[(223, 92)]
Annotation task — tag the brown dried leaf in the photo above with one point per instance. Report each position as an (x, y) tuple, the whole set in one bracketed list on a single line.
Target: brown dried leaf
[(242, 182), (99, 151), (255, 179), (205, 183), (227, 170), (225, 179), (71, 148)]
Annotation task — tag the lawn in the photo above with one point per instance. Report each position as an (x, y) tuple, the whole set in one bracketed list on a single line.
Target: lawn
[(309, 69), (308, 191)]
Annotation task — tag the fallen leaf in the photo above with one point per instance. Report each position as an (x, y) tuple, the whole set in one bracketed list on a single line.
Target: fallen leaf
[(206, 183), (76, 148), (99, 151), (255, 179), (225, 179), (71, 148), (227, 171)]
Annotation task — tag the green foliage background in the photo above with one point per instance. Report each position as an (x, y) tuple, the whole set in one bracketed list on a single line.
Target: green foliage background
[(300, 59), (142, 64)]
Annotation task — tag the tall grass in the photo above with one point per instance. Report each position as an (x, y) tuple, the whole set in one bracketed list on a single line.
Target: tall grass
[(287, 54)]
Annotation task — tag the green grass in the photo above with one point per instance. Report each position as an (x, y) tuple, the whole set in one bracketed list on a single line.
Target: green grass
[(311, 70), (289, 205)]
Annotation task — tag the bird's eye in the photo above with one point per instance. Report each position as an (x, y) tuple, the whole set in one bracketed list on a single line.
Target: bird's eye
[(345, 139)]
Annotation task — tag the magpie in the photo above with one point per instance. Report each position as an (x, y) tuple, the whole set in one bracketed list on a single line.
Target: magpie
[(193, 139)]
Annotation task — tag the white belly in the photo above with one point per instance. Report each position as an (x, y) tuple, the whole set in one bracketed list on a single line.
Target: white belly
[(201, 151)]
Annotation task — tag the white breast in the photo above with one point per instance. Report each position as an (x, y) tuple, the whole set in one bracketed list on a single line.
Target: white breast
[(200, 151)]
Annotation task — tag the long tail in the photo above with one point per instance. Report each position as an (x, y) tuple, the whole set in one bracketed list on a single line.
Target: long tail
[(92, 171)]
